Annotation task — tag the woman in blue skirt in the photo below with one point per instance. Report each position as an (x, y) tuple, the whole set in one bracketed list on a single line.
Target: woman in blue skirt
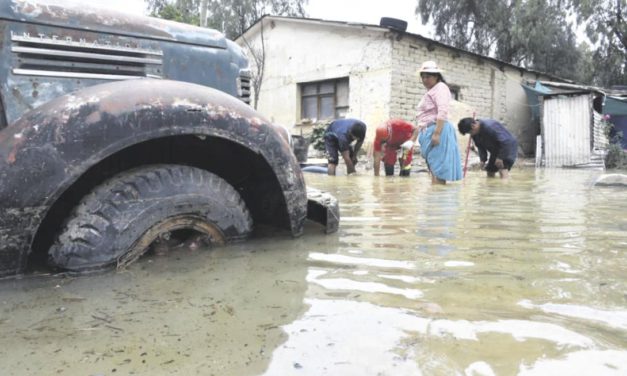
[(438, 141)]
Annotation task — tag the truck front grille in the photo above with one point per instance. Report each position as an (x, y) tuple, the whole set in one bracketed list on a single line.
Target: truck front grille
[(243, 86), (42, 56)]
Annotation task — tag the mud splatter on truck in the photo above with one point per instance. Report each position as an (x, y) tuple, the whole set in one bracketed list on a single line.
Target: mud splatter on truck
[(117, 131)]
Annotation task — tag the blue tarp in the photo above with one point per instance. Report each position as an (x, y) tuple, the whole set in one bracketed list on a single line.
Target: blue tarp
[(615, 106), (617, 109), (533, 98), (620, 125), (315, 169)]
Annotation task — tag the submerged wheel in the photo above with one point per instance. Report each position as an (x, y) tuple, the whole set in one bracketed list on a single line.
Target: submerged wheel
[(118, 220)]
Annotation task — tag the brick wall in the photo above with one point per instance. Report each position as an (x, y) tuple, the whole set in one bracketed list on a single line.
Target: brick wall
[(481, 85), (488, 87)]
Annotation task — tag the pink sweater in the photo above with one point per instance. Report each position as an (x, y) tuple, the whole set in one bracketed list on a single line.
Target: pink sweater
[(434, 105)]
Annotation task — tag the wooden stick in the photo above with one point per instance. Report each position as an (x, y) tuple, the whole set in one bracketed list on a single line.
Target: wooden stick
[(468, 149)]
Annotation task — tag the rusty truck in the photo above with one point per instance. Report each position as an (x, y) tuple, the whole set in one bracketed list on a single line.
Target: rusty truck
[(118, 131)]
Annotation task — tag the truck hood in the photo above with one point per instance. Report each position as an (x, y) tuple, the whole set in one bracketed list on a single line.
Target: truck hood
[(79, 16)]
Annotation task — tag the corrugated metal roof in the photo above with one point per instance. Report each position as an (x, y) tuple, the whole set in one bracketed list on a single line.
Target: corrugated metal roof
[(563, 87)]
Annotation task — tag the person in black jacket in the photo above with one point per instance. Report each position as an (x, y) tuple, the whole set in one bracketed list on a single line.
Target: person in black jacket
[(491, 137)]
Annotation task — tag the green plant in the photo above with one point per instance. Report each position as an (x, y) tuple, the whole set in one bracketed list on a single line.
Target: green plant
[(616, 156), (317, 135)]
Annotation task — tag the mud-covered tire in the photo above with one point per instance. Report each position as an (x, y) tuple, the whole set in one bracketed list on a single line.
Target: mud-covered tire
[(393, 23), (117, 217)]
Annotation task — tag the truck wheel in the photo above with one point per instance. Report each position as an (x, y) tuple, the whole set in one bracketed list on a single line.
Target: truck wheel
[(120, 219), (393, 23)]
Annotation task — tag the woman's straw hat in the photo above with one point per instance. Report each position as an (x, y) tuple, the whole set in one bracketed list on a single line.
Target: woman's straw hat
[(430, 67)]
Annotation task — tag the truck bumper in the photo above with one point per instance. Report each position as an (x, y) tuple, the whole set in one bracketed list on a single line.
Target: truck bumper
[(323, 208)]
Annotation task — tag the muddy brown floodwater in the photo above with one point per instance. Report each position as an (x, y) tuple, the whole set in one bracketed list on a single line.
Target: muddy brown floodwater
[(486, 277)]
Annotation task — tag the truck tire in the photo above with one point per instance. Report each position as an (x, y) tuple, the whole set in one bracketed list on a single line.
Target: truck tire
[(393, 23), (118, 221)]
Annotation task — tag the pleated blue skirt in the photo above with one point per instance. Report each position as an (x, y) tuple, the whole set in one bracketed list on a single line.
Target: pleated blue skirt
[(443, 160)]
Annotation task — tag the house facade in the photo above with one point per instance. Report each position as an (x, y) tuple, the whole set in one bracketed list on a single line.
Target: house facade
[(317, 69)]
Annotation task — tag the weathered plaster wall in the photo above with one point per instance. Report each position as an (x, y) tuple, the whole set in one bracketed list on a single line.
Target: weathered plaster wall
[(298, 52), (518, 117)]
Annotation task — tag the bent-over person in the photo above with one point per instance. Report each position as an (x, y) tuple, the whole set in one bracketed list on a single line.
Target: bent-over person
[(491, 137), (337, 140), (392, 137)]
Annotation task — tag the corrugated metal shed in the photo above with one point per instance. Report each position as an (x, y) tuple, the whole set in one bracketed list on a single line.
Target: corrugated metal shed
[(572, 133), (599, 139), (566, 130)]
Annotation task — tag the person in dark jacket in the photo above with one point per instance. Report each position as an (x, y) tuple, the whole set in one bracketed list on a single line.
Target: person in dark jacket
[(491, 137), (337, 140)]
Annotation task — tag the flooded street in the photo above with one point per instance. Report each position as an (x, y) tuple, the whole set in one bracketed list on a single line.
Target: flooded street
[(485, 277)]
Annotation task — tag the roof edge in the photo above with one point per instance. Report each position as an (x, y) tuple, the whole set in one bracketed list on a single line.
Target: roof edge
[(383, 28)]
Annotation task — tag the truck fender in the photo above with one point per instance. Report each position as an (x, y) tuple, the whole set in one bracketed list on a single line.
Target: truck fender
[(47, 149)]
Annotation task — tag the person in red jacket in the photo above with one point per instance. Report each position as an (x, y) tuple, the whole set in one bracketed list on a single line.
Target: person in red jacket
[(394, 137)]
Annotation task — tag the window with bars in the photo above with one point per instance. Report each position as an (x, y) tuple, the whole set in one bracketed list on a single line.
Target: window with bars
[(324, 99)]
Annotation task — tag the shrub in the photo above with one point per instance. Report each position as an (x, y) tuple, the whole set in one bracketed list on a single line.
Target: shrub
[(317, 135), (616, 156)]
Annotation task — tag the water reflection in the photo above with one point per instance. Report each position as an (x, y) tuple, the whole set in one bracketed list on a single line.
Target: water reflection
[(484, 277), (392, 341), (438, 219), (615, 318)]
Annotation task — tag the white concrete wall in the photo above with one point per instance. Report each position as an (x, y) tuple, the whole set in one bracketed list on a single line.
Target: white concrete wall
[(518, 115), (298, 52)]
